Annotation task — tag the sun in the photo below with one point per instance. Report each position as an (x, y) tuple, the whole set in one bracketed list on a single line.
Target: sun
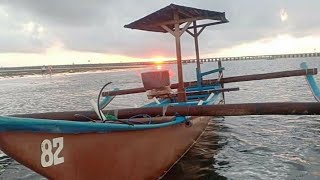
[(283, 15), (158, 62)]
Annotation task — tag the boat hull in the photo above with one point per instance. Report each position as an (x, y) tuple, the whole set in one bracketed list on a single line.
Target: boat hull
[(143, 154)]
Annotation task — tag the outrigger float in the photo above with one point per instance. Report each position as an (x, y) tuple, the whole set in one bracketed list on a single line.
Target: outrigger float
[(145, 142)]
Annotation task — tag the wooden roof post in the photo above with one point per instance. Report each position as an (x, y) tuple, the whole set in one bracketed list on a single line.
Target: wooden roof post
[(196, 44), (181, 90), (221, 76)]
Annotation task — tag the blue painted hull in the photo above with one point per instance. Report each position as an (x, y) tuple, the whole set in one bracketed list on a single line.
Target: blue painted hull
[(8, 124)]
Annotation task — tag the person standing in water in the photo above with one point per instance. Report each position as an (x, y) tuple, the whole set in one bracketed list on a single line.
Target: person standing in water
[(43, 70), (50, 70)]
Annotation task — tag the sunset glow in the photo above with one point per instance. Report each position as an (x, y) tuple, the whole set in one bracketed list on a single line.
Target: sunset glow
[(36, 34), (282, 44), (158, 59), (159, 67)]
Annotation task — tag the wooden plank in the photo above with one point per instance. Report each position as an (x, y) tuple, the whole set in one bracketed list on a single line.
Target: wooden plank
[(220, 69), (201, 30), (208, 24), (179, 21), (190, 33), (185, 28), (168, 29)]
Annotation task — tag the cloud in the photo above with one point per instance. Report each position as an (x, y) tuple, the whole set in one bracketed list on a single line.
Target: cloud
[(282, 44), (97, 25)]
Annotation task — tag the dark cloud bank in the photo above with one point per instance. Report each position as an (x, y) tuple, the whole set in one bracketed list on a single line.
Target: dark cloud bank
[(97, 25)]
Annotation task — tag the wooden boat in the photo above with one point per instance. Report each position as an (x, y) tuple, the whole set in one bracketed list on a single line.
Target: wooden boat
[(137, 143)]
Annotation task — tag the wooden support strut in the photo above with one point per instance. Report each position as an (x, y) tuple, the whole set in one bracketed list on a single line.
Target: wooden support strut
[(224, 80), (181, 91), (222, 84), (196, 46)]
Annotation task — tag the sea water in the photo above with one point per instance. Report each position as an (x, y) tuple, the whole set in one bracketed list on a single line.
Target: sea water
[(246, 147)]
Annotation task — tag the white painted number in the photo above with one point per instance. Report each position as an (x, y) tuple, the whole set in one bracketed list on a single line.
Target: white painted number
[(46, 155), (48, 158)]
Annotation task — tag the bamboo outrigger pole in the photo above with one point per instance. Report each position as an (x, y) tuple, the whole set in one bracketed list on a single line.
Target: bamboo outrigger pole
[(275, 108), (278, 108), (252, 77)]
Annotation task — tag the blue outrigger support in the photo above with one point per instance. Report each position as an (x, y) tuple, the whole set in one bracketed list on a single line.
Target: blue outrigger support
[(200, 76), (312, 83), (107, 100)]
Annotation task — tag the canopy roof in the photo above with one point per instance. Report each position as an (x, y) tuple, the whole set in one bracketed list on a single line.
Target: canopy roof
[(164, 16)]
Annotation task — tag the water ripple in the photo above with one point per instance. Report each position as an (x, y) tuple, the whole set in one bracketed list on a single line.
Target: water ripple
[(248, 147)]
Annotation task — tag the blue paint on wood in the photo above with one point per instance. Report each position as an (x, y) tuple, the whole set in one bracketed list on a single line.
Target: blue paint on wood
[(312, 83), (16, 124), (107, 99), (212, 71), (203, 88)]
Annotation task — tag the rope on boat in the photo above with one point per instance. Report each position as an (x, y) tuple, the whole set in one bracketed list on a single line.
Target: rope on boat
[(115, 117), (86, 117), (187, 121), (219, 79), (140, 115)]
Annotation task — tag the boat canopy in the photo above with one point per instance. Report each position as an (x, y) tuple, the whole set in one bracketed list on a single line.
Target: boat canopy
[(169, 19), (164, 16)]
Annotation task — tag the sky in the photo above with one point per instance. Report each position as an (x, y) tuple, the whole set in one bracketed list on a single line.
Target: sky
[(46, 32)]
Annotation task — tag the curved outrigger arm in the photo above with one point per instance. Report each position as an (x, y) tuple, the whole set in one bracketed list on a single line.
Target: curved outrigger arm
[(107, 100), (312, 83)]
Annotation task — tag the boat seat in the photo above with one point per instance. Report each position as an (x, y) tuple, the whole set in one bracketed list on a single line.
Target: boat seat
[(157, 84), (164, 92)]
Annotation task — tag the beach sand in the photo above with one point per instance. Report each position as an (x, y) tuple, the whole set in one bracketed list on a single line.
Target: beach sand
[(21, 72)]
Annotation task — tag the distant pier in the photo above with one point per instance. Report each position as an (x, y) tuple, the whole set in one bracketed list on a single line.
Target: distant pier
[(21, 71), (266, 57)]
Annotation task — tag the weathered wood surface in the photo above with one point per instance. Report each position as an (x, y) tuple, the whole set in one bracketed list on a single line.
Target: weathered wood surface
[(153, 21), (276, 108), (252, 77)]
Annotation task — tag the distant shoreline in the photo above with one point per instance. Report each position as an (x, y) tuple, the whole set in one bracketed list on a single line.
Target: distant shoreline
[(20, 72)]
